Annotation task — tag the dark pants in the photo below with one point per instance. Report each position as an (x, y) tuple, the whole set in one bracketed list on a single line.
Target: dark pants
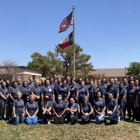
[(84, 118), (9, 110), (132, 108), (75, 118), (46, 117), (2, 107), (59, 120), (114, 117)]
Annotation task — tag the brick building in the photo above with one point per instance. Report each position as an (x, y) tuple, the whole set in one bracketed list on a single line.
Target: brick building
[(22, 72)]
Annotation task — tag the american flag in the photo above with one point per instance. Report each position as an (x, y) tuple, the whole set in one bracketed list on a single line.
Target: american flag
[(66, 22)]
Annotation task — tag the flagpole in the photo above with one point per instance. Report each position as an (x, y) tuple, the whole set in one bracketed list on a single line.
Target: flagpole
[(74, 40)]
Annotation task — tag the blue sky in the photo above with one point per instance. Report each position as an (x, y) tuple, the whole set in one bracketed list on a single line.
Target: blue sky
[(108, 30)]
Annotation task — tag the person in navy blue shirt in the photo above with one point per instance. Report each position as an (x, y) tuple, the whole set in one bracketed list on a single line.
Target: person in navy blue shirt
[(31, 82), (46, 106), (83, 92), (104, 83), (138, 101), (31, 110), (13, 96), (137, 84), (92, 92), (52, 83), (25, 91), (19, 83), (36, 90), (101, 88), (72, 111), (74, 90), (131, 100), (116, 83), (48, 90), (4, 94), (57, 83), (87, 111), (64, 90), (59, 109), (68, 81), (80, 80), (18, 109), (112, 111), (112, 88), (87, 82), (99, 107), (122, 100), (125, 82)]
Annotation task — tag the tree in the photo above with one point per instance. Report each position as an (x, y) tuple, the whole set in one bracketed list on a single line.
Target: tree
[(8, 69), (134, 69), (61, 62)]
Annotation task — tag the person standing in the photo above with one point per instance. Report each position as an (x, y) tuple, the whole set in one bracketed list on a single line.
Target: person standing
[(131, 100), (48, 90), (83, 92), (4, 94), (64, 90), (113, 89), (122, 100), (74, 91), (92, 92)]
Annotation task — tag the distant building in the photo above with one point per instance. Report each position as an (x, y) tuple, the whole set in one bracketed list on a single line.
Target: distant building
[(98, 74), (22, 72)]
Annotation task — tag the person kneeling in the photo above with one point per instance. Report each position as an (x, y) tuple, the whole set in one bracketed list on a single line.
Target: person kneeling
[(72, 111), (87, 111), (100, 107), (18, 109), (59, 109), (46, 108), (112, 109), (31, 111)]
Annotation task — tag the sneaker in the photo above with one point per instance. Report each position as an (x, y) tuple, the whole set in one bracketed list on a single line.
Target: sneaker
[(49, 122)]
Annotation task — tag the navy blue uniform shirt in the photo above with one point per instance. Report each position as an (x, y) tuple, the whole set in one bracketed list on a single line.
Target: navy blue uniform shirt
[(111, 104), (59, 107), (131, 95), (83, 91), (122, 92), (63, 90), (19, 106), (113, 89), (13, 91), (47, 105), (99, 104), (32, 107), (4, 92), (86, 107), (73, 90), (36, 90)]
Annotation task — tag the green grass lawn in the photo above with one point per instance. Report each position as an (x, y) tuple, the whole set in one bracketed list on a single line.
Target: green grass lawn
[(122, 131)]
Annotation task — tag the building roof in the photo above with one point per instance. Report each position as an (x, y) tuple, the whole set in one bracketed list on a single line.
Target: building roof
[(110, 72)]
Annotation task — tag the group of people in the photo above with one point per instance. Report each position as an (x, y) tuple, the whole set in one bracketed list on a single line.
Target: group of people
[(69, 99)]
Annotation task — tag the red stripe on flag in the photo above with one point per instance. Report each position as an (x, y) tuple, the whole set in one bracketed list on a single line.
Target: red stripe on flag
[(64, 45)]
